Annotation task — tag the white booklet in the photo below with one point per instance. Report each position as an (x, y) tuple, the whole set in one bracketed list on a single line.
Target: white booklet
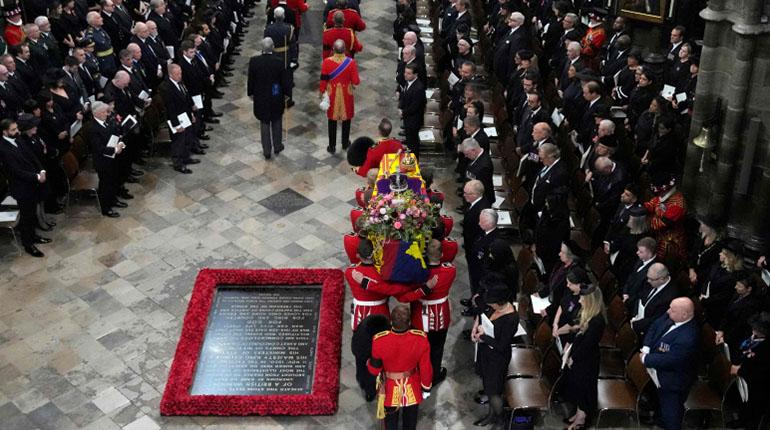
[(681, 97), (198, 101), (486, 324), (429, 92), (170, 50), (75, 127), (423, 22), (490, 131), (499, 200), (497, 181), (426, 135), (504, 218), (488, 120), (452, 79), (184, 120), (144, 95), (667, 91), (557, 117), (112, 143), (539, 303)]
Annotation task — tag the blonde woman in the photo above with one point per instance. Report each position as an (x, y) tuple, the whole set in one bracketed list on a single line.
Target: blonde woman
[(582, 366), (718, 289)]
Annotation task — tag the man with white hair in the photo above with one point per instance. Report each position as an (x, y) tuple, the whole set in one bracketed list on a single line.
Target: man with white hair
[(103, 48), (479, 166), (105, 157), (408, 56), (607, 185), (411, 39), (516, 40), (339, 31), (339, 77), (286, 48), (573, 59), (179, 105), (113, 26), (157, 44), (47, 39), (150, 60), (39, 56), (165, 22), (267, 87)]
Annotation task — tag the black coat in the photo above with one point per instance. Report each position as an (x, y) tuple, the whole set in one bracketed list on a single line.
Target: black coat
[(98, 137), (635, 280), (735, 323), (721, 287), (176, 102), (470, 223), (581, 379), (477, 257), (268, 83), (21, 169), (193, 76), (166, 29), (12, 100), (553, 180), (654, 308), (482, 170), (412, 104), (29, 75), (506, 49), (150, 61)]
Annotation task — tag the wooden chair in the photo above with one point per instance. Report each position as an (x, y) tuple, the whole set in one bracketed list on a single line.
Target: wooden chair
[(526, 360), (616, 316), (613, 362), (707, 349), (9, 219), (524, 260), (710, 395), (623, 394), (608, 283), (535, 393), (529, 283), (600, 262)]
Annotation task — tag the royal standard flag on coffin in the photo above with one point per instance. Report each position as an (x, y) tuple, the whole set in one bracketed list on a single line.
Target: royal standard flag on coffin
[(402, 262)]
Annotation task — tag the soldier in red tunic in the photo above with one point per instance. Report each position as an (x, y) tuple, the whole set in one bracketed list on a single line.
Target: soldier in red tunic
[(667, 215), (430, 307), (370, 292), (594, 39), (401, 359), (353, 20), (339, 31), (386, 145), (13, 32), (339, 76)]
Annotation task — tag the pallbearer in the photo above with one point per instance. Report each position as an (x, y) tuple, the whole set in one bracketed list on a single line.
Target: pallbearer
[(401, 358)]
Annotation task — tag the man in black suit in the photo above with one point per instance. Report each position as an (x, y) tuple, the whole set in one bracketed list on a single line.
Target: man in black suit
[(611, 48), (573, 58), (411, 105), (411, 39), (179, 101), (267, 86), (608, 180), (616, 60), (670, 349), (516, 40), (534, 113), (88, 80), (477, 254), (25, 176), (157, 44), (473, 194), (551, 177), (115, 28), (99, 135), (654, 300), (676, 40), (471, 130), (530, 162), (12, 100), (592, 93), (479, 166), (150, 60), (636, 279), (408, 56), (24, 68), (167, 31), (195, 78)]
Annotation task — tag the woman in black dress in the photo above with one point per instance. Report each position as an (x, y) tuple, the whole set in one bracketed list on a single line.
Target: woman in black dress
[(581, 373), (705, 255), (754, 368), (566, 321), (735, 327), (494, 349), (719, 287)]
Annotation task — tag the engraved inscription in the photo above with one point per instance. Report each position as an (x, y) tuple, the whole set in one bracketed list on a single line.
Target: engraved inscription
[(259, 340)]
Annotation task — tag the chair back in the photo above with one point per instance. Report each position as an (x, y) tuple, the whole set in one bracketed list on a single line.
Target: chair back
[(719, 377), (637, 374), (626, 340), (524, 259), (543, 337), (551, 367), (616, 312), (599, 262), (529, 283), (707, 349)]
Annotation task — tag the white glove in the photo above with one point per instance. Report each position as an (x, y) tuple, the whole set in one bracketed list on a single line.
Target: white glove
[(425, 394)]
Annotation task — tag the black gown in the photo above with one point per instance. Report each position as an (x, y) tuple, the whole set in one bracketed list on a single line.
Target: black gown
[(580, 380), (570, 309), (494, 354)]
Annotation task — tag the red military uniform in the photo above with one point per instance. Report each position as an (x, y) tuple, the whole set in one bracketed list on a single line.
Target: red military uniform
[(352, 45), (353, 20), (355, 213), (339, 85), (297, 6), (374, 154), (448, 250), (14, 35), (371, 295), (430, 306), (449, 222), (350, 241), (667, 214), (360, 196), (592, 42), (438, 193), (404, 358)]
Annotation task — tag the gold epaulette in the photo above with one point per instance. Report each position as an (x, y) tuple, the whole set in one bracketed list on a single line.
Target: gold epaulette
[(381, 334), (418, 332)]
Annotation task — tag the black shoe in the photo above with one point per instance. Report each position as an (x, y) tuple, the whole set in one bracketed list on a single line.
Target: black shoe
[(466, 334), (51, 223), (207, 128), (289, 104), (482, 399), (468, 312), (439, 377), (203, 146), (140, 162), (198, 152), (40, 240), (210, 120), (110, 213), (125, 195), (331, 149), (119, 204), (135, 172), (46, 228), (277, 151), (216, 114), (204, 137), (218, 94), (132, 180), (192, 161), (267, 156), (466, 302), (184, 170), (345, 145), (33, 251)]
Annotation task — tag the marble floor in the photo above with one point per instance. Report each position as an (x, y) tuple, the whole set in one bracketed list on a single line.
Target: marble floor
[(87, 334)]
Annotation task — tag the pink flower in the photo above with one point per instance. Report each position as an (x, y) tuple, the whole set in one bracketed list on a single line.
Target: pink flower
[(397, 224), (383, 211), (402, 216)]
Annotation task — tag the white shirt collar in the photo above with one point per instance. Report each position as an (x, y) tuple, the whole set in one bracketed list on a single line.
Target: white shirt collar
[(475, 201), (12, 140)]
